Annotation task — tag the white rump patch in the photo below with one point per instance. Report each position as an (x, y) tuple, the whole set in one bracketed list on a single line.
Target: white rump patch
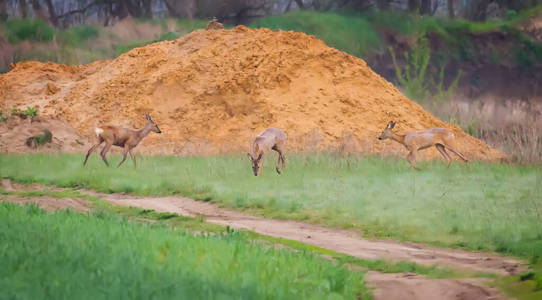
[(98, 131)]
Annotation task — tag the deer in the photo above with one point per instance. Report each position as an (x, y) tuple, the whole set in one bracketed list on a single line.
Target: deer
[(269, 139), (443, 139), (121, 137)]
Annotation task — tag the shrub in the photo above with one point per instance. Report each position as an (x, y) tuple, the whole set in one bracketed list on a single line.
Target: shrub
[(78, 35), (414, 78), (28, 29)]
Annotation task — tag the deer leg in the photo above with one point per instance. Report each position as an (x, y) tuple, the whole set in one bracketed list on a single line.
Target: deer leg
[(104, 152), (460, 156), (277, 165), (133, 157), (92, 150), (124, 155), (261, 165), (443, 152), (411, 159)]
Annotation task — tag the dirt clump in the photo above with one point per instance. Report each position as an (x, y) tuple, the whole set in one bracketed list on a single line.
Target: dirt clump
[(212, 91), (19, 135)]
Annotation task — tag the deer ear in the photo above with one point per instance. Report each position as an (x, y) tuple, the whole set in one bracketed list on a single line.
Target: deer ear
[(260, 156), (390, 125), (249, 157), (148, 117)]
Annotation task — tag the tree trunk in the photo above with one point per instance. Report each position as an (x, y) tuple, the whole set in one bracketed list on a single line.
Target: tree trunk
[(52, 15), (147, 8), (413, 5), (3, 10), (38, 10), (451, 13), (300, 4), (23, 8), (425, 8), (383, 4)]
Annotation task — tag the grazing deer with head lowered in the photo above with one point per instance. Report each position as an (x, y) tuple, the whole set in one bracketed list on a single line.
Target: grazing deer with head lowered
[(121, 137), (443, 139), (269, 139)]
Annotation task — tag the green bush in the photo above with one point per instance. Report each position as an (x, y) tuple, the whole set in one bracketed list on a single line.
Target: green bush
[(77, 35), (413, 75), (28, 30)]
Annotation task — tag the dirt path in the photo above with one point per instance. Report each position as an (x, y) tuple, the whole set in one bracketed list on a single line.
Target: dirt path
[(385, 286), (403, 286)]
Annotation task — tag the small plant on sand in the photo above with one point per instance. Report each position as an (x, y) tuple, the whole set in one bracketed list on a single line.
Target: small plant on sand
[(31, 111), (3, 117)]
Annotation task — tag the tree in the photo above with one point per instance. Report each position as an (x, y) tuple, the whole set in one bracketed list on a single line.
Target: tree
[(52, 15), (23, 8), (451, 13), (3, 10)]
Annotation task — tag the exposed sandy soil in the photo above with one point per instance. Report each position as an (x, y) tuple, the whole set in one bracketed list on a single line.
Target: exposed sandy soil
[(407, 286), (402, 286), (212, 91), (50, 203), (15, 132), (45, 202)]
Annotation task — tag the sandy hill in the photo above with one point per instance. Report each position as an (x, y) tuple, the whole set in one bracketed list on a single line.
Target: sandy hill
[(211, 91)]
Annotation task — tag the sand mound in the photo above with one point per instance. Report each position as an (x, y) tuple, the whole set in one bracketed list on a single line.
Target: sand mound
[(16, 132), (212, 91)]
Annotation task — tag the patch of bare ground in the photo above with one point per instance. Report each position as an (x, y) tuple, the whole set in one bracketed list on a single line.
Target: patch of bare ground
[(50, 203), (46, 202), (407, 286)]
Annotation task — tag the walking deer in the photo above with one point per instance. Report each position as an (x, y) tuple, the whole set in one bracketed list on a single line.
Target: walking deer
[(121, 137), (269, 139), (443, 139)]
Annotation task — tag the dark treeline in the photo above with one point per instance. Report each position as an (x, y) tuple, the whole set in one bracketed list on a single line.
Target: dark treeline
[(63, 13)]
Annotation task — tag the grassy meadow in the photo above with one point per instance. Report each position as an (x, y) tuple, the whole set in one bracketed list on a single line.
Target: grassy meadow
[(99, 255), (493, 207)]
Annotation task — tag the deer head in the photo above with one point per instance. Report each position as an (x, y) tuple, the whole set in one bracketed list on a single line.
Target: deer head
[(387, 131), (152, 125), (256, 163)]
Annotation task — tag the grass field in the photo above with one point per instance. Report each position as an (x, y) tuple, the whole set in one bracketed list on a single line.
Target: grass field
[(65, 254), (490, 207)]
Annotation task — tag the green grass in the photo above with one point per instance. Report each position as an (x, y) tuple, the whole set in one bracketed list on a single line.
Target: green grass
[(490, 207), (198, 225), (348, 33), (61, 254)]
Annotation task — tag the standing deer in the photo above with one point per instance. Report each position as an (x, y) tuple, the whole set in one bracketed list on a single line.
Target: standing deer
[(121, 137), (414, 141), (269, 139)]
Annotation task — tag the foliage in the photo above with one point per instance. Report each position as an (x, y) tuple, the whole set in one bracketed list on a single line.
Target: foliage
[(414, 78), (31, 111), (3, 117), (345, 32), (40, 140), (28, 30), (77, 35), (489, 207), (110, 257)]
